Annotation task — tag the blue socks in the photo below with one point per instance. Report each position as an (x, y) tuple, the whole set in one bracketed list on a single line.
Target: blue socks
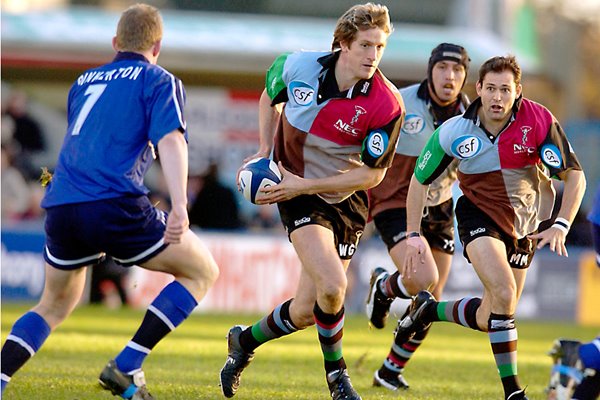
[(169, 309), (28, 334)]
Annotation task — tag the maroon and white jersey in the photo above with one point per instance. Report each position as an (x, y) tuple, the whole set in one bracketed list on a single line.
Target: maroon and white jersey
[(506, 176), (419, 124), (324, 132)]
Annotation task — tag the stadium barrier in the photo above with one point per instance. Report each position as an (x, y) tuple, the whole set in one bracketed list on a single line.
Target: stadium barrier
[(260, 271)]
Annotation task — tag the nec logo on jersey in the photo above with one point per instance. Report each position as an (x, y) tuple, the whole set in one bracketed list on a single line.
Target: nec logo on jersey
[(466, 146), (346, 128), (413, 124), (520, 148), (302, 93), (551, 156), (349, 128)]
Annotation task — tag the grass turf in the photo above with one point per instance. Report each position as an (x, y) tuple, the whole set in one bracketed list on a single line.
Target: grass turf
[(453, 363)]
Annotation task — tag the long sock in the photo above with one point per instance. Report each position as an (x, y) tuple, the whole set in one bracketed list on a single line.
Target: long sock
[(462, 312), (28, 334), (503, 337), (169, 309), (400, 353), (275, 325), (392, 286), (331, 331)]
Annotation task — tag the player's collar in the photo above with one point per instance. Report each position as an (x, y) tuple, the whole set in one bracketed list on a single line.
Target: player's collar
[(328, 85), (129, 55)]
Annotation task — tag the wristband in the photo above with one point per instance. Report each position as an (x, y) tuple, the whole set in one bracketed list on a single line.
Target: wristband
[(562, 224), (412, 234)]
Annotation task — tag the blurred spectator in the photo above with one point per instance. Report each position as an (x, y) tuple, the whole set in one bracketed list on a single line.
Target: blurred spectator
[(27, 135), (8, 130), (266, 217), (214, 205), (108, 284), (20, 199), (15, 190)]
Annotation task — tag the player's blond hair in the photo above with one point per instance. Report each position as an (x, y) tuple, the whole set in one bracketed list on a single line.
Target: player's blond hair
[(140, 26), (360, 17)]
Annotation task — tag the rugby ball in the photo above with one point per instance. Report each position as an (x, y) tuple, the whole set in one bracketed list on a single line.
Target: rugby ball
[(257, 174)]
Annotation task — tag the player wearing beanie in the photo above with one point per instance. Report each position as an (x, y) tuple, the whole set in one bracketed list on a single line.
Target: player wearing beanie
[(428, 104)]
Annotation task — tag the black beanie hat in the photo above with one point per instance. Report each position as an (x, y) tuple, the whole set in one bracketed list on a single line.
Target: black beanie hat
[(448, 51)]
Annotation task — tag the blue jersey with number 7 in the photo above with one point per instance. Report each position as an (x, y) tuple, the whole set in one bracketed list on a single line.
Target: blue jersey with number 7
[(117, 113)]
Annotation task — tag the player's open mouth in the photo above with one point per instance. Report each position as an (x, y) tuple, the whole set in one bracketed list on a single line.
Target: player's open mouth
[(448, 89)]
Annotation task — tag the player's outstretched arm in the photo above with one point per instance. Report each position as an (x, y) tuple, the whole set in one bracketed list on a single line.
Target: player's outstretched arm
[(555, 236)]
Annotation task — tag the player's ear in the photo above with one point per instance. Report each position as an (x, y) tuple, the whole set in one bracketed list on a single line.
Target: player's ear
[(478, 87), (114, 43), (156, 48), (344, 45)]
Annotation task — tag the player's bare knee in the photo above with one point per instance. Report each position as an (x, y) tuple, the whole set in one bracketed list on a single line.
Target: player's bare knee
[(506, 297), (201, 267), (422, 280), (426, 282), (211, 270), (334, 287), (333, 295)]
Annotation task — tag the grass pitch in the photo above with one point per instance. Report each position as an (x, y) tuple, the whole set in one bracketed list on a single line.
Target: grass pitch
[(454, 363)]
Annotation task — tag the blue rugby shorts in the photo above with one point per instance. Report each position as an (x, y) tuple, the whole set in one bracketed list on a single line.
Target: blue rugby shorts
[(130, 229)]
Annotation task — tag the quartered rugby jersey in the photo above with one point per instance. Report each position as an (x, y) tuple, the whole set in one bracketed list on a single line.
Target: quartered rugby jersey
[(507, 176), (117, 113), (324, 132), (418, 126)]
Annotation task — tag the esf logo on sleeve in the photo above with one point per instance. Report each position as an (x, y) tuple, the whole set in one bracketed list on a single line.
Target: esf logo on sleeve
[(413, 124), (551, 156), (377, 143), (302, 93), (466, 146)]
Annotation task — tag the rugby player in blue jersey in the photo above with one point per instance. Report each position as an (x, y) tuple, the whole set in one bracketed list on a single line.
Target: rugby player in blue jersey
[(119, 115)]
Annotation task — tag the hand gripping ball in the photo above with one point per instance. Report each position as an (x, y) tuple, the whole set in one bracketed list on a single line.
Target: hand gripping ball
[(257, 174)]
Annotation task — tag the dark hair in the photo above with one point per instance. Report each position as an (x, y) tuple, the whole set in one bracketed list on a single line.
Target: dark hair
[(360, 17), (500, 64), (451, 52)]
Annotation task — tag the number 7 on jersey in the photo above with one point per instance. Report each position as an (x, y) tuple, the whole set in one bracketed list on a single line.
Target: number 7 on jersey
[(94, 92)]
